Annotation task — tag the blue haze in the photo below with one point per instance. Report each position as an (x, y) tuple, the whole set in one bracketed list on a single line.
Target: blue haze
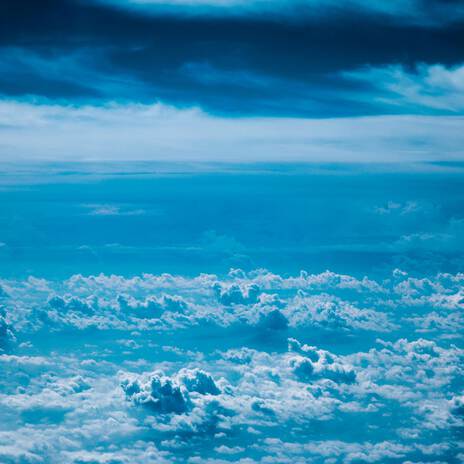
[(158, 218)]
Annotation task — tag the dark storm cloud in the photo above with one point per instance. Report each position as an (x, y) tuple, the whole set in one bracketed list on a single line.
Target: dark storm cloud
[(234, 64)]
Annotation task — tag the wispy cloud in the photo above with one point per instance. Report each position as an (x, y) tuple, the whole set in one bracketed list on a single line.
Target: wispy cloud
[(428, 87), (160, 132), (113, 210), (75, 75), (412, 11)]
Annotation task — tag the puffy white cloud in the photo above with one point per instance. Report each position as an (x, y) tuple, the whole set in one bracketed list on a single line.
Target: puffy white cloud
[(334, 313), (198, 381), (158, 393), (258, 299), (152, 307), (165, 395), (250, 365), (335, 449), (313, 364), (236, 294)]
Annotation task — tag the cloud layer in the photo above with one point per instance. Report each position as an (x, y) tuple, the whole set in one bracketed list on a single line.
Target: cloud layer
[(232, 58), (249, 367), (432, 12), (159, 132)]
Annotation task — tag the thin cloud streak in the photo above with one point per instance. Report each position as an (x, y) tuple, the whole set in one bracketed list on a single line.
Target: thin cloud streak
[(159, 132)]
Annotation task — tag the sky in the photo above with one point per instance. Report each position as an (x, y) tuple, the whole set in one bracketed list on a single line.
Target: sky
[(231, 232), (360, 81), (231, 313)]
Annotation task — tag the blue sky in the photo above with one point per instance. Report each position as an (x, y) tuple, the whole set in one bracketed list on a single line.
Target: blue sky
[(303, 80), (231, 232)]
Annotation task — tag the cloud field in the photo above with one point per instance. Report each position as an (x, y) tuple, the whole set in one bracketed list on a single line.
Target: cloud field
[(248, 367)]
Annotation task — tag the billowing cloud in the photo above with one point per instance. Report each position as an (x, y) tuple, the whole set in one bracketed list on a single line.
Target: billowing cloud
[(236, 58), (159, 393), (239, 366), (312, 364), (259, 300)]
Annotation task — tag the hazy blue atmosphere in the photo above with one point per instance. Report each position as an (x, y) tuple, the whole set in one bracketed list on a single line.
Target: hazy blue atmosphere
[(58, 220), (231, 232)]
